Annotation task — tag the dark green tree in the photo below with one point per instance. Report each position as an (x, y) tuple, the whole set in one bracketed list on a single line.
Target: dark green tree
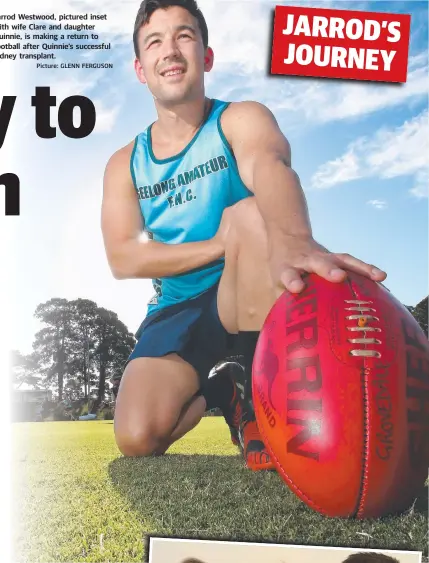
[(81, 367), (53, 343), (24, 370), (114, 344), (79, 348), (420, 313)]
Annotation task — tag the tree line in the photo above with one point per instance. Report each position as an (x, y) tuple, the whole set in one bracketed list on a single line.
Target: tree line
[(78, 349), (420, 313)]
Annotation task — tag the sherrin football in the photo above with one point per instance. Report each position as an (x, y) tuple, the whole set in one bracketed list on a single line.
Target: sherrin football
[(341, 393)]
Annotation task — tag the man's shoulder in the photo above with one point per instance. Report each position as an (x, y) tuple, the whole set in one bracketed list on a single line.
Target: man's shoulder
[(238, 116), (246, 108), (121, 157)]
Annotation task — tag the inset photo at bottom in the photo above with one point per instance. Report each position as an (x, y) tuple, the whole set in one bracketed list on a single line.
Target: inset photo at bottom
[(171, 550)]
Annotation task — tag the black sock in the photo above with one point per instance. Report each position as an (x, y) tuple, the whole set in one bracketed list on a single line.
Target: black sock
[(247, 341), (218, 392)]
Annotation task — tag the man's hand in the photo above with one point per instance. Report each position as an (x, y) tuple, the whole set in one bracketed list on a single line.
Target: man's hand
[(291, 256)]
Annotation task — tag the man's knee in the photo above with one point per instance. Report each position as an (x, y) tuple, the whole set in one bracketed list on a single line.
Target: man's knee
[(142, 441), (248, 219), (246, 207), (151, 398), (247, 229)]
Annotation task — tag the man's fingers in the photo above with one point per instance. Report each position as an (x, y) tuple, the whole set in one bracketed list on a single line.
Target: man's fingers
[(292, 280), (327, 267), (331, 267), (359, 267)]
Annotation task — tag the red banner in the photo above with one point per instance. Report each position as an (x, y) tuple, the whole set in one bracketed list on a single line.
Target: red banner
[(347, 44)]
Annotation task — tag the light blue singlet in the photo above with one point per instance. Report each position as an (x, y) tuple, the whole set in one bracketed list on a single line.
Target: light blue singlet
[(182, 199)]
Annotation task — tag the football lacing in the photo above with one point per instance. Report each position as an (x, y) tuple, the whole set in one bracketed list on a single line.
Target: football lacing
[(364, 328), (366, 317), (363, 317)]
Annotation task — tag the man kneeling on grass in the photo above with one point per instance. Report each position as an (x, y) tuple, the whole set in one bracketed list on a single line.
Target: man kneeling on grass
[(211, 184)]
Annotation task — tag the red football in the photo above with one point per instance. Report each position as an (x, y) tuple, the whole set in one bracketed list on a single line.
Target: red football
[(341, 394)]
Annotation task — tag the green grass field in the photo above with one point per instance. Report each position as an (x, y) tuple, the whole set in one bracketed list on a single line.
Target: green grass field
[(77, 499)]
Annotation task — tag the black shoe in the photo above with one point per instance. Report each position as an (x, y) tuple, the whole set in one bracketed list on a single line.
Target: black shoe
[(224, 377)]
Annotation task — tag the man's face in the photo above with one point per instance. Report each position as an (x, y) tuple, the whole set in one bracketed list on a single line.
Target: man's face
[(172, 58)]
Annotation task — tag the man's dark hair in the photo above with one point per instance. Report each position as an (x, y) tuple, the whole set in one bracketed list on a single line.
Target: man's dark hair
[(148, 7), (371, 557)]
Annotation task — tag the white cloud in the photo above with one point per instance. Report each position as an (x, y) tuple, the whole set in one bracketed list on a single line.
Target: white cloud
[(377, 203), (343, 169), (418, 60), (106, 116), (72, 84), (421, 185), (389, 153), (357, 99), (401, 151)]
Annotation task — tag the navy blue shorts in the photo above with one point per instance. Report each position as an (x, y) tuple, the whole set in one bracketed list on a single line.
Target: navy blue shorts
[(191, 329)]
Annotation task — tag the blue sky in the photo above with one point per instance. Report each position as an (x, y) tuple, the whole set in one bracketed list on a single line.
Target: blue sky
[(360, 149)]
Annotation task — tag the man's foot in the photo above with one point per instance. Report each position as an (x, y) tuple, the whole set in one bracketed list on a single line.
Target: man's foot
[(254, 450), (243, 427)]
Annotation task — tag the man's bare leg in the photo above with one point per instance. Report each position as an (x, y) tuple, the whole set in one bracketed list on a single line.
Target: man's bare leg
[(190, 416), (156, 404)]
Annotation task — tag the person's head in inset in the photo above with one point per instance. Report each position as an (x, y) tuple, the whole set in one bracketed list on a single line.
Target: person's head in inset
[(171, 48), (370, 557)]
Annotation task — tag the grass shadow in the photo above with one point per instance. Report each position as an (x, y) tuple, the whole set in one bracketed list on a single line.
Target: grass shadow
[(216, 497)]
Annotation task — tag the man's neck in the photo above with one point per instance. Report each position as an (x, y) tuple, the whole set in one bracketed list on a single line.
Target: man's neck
[(180, 121)]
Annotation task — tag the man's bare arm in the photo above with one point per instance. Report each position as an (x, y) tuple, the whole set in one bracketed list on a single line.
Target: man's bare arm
[(128, 254), (264, 160)]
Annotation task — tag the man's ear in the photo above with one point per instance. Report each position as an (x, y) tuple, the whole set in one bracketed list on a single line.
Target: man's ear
[(139, 71), (208, 59)]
